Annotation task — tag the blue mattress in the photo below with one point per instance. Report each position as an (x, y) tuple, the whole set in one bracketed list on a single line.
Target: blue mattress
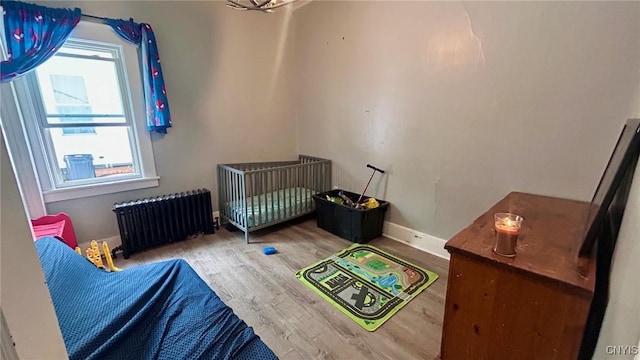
[(155, 311)]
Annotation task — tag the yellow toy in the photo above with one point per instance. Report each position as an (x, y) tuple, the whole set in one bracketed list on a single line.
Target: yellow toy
[(93, 254), (371, 203), (107, 255)]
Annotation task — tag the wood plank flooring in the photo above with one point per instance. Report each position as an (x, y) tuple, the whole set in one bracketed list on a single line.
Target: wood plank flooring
[(290, 318)]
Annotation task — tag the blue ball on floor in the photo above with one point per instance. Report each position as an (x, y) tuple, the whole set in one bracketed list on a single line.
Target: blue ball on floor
[(269, 250)]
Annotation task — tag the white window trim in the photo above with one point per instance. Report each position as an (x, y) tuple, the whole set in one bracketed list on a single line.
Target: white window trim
[(20, 153), (28, 157), (18, 149), (98, 189)]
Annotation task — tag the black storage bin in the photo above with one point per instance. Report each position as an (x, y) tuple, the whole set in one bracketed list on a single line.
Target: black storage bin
[(355, 225)]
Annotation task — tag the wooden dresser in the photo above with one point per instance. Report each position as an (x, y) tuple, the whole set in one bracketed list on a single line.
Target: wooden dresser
[(532, 306)]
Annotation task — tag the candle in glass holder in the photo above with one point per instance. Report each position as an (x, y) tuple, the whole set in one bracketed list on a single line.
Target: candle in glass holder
[(507, 227)]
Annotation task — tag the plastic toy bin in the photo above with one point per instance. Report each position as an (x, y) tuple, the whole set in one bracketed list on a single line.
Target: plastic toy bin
[(355, 225), (80, 166)]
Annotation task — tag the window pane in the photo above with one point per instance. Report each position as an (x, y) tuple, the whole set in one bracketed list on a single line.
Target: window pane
[(77, 81), (69, 90), (76, 109), (104, 153)]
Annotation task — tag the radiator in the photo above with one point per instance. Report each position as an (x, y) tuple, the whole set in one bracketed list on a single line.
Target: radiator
[(147, 223)]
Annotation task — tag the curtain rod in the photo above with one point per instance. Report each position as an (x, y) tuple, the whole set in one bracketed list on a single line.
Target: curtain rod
[(96, 19)]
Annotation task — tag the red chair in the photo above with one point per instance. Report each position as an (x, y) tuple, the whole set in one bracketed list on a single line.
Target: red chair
[(58, 225)]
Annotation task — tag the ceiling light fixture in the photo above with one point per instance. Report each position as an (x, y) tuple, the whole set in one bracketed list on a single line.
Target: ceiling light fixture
[(266, 6)]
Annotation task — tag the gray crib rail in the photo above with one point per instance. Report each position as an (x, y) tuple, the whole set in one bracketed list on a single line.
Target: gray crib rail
[(253, 196)]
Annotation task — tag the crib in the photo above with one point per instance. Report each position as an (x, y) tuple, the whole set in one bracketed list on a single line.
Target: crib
[(253, 196)]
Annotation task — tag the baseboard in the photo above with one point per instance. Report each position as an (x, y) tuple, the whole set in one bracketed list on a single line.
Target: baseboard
[(112, 241), (421, 241)]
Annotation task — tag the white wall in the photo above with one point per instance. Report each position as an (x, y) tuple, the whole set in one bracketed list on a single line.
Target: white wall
[(463, 102), (24, 297), (228, 80)]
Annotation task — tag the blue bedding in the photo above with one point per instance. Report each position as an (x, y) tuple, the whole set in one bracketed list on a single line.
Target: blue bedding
[(155, 311)]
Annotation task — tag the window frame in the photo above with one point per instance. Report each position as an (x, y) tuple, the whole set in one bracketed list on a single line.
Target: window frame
[(55, 181), (30, 148)]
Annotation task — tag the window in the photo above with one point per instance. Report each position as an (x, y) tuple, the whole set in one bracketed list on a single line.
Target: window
[(86, 78), (83, 113), (70, 94)]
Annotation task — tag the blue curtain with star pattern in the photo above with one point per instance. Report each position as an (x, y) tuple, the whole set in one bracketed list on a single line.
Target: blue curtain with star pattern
[(33, 34), (155, 93)]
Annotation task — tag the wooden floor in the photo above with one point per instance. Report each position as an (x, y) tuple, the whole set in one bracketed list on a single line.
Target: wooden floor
[(290, 318)]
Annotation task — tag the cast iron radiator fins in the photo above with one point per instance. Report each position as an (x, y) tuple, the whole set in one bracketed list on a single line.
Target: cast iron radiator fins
[(146, 223)]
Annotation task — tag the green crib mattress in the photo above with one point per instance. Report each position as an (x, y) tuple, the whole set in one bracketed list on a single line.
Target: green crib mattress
[(273, 206)]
